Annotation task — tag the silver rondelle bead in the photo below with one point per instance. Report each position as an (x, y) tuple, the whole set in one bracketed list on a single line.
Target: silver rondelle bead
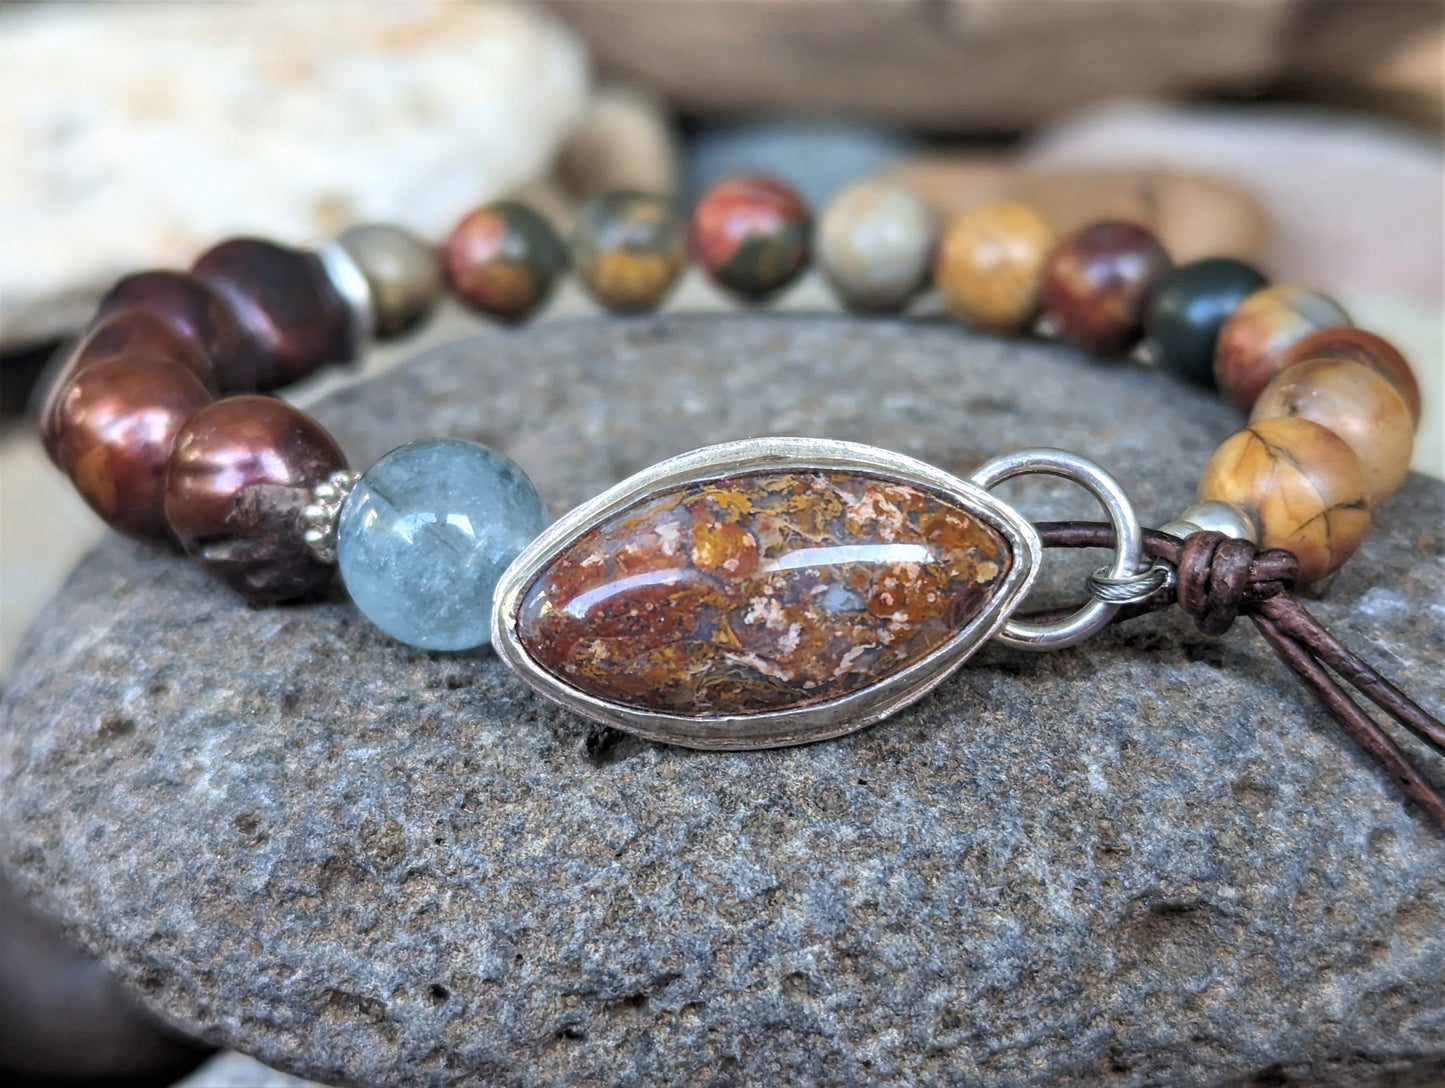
[(1215, 516), (350, 283), (321, 513)]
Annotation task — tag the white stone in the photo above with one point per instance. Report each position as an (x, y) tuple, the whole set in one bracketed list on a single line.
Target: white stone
[(136, 135)]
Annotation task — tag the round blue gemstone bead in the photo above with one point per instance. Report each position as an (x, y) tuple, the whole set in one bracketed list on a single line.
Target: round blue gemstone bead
[(426, 533)]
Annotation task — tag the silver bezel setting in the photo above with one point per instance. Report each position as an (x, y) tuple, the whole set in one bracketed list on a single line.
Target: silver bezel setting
[(796, 725)]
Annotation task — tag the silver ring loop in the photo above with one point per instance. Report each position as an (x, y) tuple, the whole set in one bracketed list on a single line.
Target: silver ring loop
[(1133, 589), (1128, 550)]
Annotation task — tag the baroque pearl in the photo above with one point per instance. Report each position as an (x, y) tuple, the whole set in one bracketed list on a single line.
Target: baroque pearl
[(239, 476), (114, 423), (426, 533)]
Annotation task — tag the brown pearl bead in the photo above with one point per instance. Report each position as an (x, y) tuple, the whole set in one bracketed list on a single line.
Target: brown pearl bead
[(122, 333), (988, 264), (1096, 282), (286, 305), (238, 480), (114, 422), (1300, 483), (1358, 404), (195, 313), (1253, 341), (1347, 343)]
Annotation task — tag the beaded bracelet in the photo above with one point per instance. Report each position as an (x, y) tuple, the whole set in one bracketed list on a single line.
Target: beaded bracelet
[(762, 592)]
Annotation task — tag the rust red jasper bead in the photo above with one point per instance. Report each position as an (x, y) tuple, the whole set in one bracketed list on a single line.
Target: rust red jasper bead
[(237, 483), (1096, 283), (763, 591), (294, 319)]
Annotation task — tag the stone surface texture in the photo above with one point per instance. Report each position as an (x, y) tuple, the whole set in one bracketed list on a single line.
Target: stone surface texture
[(1149, 860), (760, 592), (135, 135)]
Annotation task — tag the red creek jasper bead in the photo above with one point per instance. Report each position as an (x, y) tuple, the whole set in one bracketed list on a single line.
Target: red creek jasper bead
[(760, 592), (197, 315), (236, 485), (294, 319), (112, 427), (1096, 283), (752, 235)]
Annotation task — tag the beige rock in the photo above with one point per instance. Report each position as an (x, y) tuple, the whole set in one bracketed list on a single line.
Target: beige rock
[(138, 134), (1355, 202), (953, 65), (1195, 215), (625, 140)]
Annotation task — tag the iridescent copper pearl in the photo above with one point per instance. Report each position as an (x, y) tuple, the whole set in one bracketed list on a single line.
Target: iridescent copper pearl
[(762, 593)]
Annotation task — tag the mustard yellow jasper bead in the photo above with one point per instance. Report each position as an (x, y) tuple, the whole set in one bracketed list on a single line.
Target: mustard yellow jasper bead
[(988, 264), (1359, 404), (1300, 483)]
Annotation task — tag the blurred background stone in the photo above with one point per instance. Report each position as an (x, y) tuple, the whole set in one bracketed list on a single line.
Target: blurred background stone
[(1194, 215), (946, 66), (184, 123), (66, 1023)]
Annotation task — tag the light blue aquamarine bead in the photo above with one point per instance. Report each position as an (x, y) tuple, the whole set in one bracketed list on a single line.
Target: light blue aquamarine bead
[(426, 533)]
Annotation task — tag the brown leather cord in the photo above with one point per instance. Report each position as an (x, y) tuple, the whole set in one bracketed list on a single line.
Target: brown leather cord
[(1218, 579)]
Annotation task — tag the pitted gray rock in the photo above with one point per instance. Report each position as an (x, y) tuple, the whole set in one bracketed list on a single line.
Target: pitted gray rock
[(1147, 860)]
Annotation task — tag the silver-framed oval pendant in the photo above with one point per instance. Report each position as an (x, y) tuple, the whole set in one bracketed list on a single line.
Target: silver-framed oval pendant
[(762, 593)]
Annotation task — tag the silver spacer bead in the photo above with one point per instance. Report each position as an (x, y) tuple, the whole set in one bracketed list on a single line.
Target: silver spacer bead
[(1222, 517), (350, 283), (1219, 517), (320, 514)]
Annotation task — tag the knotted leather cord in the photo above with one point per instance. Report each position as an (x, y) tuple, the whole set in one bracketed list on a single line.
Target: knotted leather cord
[(1219, 579)]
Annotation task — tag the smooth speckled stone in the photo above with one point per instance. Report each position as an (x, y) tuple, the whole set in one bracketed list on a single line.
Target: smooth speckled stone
[(761, 592), (1147, 860), (504, 260), (875, 245), (989, 263), (752, 236), (628, 250), (1346, 343), (425, 535), (1359, 404), (1190, 306), (1300, 483), (1253, 343)]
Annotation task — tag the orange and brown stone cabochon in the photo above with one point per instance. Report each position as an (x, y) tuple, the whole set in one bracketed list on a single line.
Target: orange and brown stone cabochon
[(760, 592)]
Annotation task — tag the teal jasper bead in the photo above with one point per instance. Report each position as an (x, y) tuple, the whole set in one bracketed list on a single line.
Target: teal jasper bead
[(426, 533), (1190, 306)]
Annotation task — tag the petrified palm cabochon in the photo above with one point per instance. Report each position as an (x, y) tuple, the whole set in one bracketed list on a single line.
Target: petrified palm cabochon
[(760, 592)]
